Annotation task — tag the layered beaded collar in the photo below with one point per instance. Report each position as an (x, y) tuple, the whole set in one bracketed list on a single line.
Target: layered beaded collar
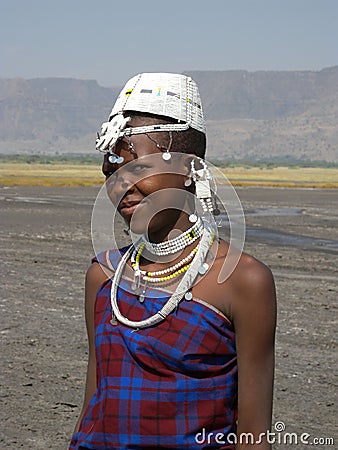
[(198, 266)]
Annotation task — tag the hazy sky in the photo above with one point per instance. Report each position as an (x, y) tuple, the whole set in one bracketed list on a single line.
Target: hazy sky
[(111, 40)]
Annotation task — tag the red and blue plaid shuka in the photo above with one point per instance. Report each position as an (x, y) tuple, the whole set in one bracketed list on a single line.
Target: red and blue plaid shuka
[(158, 387)]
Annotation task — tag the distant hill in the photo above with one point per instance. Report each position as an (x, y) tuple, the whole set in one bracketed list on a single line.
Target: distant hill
[(51, 114), (285, 115), (279, 115)]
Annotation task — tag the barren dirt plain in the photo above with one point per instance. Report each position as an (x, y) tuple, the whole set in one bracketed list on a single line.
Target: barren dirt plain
[(46, 248)]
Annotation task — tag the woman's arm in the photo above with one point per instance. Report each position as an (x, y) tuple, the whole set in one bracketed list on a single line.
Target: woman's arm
[(95, 276), (254, 316)]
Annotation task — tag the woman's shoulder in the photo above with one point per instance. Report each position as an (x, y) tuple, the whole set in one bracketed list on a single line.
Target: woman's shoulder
[(240, 267), (237, 278), (103, 266)]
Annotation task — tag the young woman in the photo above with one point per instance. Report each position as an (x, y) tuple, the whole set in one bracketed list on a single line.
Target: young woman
[(179, 357)]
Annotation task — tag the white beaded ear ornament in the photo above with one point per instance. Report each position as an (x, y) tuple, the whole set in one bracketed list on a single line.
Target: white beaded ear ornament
[(115, 159), (193, 218), (166, 155), (130, 145), (188, 182), (204, 192)]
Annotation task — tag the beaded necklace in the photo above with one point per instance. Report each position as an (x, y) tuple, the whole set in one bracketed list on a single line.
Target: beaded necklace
[(179, 243), (135, 263), (142, 277), (198, 266), (159, 276)]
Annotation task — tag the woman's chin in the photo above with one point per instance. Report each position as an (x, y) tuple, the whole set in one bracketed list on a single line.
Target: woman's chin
[(137, 222)]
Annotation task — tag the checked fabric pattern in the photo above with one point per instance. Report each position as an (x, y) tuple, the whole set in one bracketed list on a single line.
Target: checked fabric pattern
[(159, 386)]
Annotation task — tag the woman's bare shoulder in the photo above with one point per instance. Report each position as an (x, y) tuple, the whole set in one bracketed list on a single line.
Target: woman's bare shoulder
[(96, 275), (243, 269), (238, 278), (254, 288)]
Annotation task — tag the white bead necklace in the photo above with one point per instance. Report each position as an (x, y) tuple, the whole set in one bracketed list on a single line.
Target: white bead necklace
[(136, 265), (198, 266), (179, 243)]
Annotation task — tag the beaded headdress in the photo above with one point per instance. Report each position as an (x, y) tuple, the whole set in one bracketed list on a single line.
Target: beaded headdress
[(163, 94)]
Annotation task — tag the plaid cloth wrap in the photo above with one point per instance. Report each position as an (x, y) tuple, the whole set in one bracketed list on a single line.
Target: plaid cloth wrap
[(160, 386)]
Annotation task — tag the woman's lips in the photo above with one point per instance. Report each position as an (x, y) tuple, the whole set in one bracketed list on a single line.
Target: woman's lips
[(129, 208)]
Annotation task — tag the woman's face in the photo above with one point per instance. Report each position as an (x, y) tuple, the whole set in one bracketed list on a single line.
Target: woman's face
[(147, 191)]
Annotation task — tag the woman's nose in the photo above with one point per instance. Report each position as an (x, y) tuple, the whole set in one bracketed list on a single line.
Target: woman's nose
[(118, 185)]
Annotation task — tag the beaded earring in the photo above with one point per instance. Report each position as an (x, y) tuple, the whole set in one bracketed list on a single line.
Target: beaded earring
[(193, 218), (115, 159), (166, 155), (130, 145), (203, 189)]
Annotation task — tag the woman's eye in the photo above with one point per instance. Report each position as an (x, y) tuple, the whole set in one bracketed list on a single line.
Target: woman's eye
[(140, 167)]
